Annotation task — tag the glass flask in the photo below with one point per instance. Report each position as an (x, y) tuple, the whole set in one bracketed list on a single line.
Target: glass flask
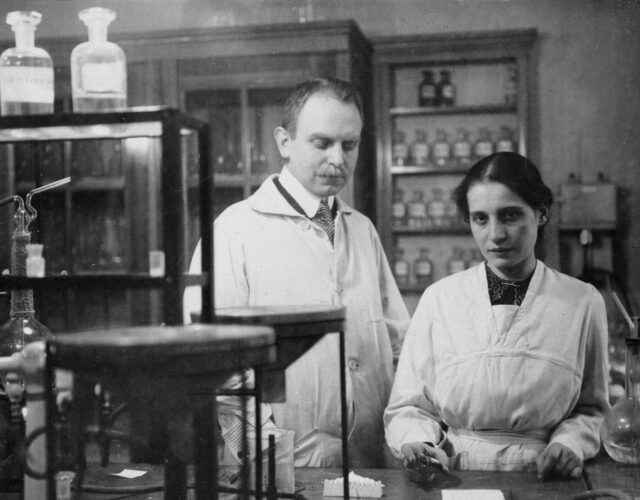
[(22, 327), (98, 67), (19, 330), (621, 428), (26, 71)]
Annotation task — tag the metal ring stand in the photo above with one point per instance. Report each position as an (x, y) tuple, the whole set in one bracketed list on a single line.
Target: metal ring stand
[(167, 361), (297, 329)]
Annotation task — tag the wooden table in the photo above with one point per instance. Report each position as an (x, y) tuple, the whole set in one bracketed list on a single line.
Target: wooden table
[(605, 473), (599, 473)]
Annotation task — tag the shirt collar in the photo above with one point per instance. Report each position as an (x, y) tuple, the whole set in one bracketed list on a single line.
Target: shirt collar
[(308, 201)]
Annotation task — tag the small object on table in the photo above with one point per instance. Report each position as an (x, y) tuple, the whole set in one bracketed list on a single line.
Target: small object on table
[(359, 487), (472, 495)]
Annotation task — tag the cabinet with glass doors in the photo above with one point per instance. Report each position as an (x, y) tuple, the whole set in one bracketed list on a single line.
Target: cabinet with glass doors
[(442, 103)]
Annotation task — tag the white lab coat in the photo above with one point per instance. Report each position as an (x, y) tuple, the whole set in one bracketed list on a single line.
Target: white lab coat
[(506, 380), (266, 253)]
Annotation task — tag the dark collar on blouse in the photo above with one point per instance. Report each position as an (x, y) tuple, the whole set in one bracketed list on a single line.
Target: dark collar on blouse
[(506, 292)]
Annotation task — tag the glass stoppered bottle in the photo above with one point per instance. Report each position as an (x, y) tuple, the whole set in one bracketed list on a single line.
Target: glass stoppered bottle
[(26, 71), (98, 67)]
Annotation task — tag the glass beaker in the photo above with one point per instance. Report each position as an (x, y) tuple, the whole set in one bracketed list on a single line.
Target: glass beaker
[(621, 428)]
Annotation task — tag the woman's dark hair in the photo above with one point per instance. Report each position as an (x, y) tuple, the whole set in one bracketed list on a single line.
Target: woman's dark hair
[(516, 172)]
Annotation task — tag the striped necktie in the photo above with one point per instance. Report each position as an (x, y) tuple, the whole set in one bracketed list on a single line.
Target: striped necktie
[(324, 217)]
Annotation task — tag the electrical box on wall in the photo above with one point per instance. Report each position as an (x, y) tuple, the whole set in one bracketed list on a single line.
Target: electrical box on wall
[(588, 206)]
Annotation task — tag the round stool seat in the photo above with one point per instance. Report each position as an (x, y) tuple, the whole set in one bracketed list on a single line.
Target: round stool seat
[(167, 351)]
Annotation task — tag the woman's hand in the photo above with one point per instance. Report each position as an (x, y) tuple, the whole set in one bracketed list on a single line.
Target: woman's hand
[(412, 451), (559, 460)]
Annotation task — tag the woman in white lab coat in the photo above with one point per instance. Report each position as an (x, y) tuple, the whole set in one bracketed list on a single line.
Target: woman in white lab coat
[(504, 366)]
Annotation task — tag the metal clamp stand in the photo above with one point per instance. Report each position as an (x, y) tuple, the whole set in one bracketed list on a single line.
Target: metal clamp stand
[(163, 362), (297, 329)]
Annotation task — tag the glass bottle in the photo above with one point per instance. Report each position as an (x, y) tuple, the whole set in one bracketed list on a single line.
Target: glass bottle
[(26, 71), (483, 146), (437, 208), (511, 86), (452, 218), (505, 140), (401, 268), (417, 211), (621, 428), (445, 90), (423, 269), (427, 90), (399, 149), (399, 208), (462, 149), (441, 148), (98, 67), (420, 149), (456, 263)]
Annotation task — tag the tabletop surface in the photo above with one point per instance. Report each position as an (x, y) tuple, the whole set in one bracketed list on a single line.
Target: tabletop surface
[(275, 315), (599, 473)]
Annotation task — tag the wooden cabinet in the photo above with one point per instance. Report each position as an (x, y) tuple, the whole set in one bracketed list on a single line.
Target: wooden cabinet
[(140, 182), (236, 79), (442, 102)]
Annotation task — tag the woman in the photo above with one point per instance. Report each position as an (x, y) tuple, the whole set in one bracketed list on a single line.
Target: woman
[(504, 366)]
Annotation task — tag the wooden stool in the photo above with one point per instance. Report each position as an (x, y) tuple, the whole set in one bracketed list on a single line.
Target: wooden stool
[(297, 329), (171, 366)]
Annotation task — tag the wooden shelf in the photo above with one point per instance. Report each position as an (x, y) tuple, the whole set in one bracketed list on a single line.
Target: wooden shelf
[(426, 170), (485, 109), (438, 231)]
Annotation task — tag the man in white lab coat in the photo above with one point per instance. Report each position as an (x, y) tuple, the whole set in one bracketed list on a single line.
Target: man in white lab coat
[(271, 250)]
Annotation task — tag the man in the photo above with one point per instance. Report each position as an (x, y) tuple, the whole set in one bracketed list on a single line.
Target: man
[(271, 249)]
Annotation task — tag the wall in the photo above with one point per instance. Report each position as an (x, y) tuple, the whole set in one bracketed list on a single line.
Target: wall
[(588, 77)]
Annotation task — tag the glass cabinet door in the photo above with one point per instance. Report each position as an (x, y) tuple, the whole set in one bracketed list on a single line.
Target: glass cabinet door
[(243, 149), (134, 198)]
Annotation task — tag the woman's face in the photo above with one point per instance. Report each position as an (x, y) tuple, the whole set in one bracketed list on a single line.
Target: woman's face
[(505, 229)]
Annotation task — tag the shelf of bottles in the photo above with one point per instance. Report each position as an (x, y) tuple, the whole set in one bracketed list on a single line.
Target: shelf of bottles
[(444, 116), (243, 151), (137, 190)]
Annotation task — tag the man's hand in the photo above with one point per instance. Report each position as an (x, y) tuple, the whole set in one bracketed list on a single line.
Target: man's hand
[(412, 451), (557, 459)]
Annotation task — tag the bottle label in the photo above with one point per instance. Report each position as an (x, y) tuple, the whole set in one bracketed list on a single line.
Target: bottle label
[(423, 268), (399, 210), (401, 268), (102, 77), (504, 145), (441, 150), (462, 149), (484, 148), (420, 153), (428, 91), (417, 210), (25, 84), (448, 91)]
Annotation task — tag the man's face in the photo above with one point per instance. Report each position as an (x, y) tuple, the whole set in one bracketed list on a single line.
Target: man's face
[(323, 152)]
